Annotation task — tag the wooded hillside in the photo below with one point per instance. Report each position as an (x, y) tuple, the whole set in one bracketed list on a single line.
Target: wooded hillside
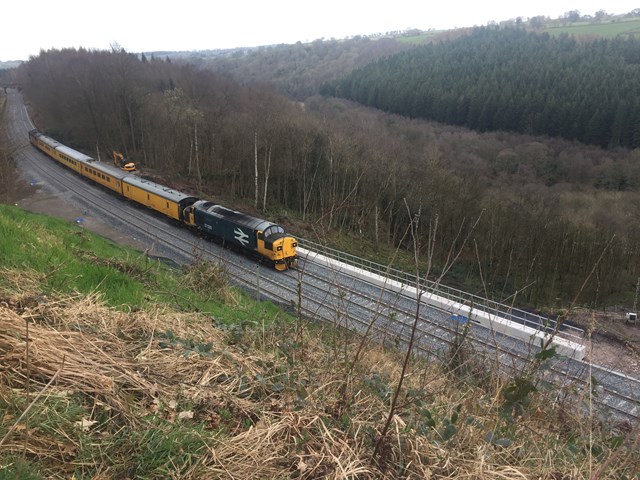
[(550, 210), (514, 80), (298, 70)]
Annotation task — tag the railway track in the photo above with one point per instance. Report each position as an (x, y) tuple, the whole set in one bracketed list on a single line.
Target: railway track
[(325, 295), (391, 316)]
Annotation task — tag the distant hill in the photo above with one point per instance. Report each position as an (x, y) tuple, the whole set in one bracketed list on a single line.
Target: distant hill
[(10, 64), (298, 70)]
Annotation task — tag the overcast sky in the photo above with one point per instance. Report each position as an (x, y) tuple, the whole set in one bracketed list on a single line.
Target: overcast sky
[(145, 26)]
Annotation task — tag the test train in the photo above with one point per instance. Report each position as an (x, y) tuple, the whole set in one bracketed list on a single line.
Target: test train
[(255, 235)]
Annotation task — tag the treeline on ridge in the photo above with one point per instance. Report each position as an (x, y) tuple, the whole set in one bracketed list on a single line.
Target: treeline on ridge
[(510, 79), (343, 168), (299, 69)]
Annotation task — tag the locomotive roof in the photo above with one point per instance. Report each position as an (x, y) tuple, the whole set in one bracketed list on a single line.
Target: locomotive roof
[(157, 189), (233, 215)]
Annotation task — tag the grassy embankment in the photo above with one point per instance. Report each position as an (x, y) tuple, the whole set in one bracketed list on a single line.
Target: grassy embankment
[(107, 372), (70, 259)]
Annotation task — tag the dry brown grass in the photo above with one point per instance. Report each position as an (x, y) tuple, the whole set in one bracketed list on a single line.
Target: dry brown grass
[(263, 407)]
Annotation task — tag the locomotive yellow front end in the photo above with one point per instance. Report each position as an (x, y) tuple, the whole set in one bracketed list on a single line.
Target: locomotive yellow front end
[(284, 253), (275, 245)]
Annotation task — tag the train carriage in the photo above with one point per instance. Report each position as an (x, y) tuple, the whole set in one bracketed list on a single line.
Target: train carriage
[(69, 157), (42, 142), (158, 197), (104, 174), (86, 166)]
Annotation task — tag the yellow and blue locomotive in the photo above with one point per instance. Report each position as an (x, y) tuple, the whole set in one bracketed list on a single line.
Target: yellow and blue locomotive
[(249, 233)]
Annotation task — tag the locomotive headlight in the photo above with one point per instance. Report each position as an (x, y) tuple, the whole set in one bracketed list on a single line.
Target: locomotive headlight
[(279, 249), (294, 244)]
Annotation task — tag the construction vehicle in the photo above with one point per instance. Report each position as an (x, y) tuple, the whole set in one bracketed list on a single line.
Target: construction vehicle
[(122, 163)]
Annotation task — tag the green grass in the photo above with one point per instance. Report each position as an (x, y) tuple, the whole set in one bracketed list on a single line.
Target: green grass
[(160, 450), (619, 28), (14, 467), (152, 451), (66, 256), (72, 260)]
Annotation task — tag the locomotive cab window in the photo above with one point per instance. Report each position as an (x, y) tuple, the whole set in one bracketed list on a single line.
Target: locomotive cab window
[(272, 230)]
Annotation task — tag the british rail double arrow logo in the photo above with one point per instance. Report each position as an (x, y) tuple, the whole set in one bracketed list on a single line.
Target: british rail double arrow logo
[(242, 237)]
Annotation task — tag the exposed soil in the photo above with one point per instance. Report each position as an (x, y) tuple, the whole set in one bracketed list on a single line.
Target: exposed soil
[(37, 200), (613, 343)]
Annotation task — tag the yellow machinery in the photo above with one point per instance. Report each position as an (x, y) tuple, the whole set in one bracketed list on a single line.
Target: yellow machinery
[(122, 163)]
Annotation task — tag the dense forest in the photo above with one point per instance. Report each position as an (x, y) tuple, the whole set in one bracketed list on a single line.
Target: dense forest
[(511, 79), (552, 213)]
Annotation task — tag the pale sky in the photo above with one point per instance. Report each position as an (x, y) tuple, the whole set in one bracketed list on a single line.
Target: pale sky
[(145, 26)]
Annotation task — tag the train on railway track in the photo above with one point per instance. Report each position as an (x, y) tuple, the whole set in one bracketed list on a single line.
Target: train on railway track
[(250, 234)]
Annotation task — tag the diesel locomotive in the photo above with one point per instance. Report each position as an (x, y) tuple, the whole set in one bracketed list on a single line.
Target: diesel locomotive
[(261, 237)]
